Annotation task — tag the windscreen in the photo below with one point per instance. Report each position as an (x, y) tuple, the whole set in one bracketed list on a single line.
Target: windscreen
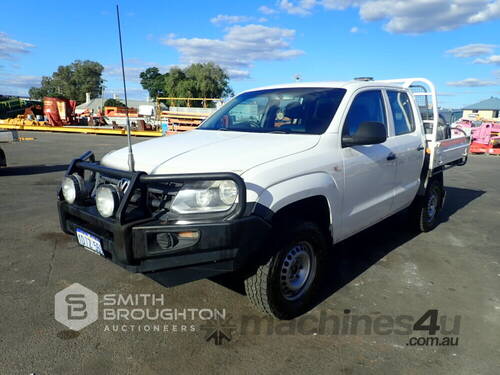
[(291, 110)]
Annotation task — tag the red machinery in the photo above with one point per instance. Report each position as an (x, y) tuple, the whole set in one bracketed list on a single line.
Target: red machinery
[(59, 112), (485, 136)]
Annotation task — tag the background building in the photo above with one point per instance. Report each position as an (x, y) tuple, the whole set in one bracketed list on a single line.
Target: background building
[(488, 109)]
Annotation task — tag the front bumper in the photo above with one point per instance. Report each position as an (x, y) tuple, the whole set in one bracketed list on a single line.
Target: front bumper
[(132, 242), (126, 245)]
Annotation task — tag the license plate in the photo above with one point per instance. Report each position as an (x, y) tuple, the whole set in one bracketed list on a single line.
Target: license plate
[(89, 241)]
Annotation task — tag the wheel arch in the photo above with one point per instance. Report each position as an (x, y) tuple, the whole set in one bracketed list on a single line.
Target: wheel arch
[(313, 196), (437, 175), (315, 208)]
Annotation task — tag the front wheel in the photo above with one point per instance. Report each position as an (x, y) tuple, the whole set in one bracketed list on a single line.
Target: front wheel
[(285, 285), (425, 209)]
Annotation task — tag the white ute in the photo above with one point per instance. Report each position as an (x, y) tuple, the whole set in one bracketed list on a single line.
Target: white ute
[(267, 184)]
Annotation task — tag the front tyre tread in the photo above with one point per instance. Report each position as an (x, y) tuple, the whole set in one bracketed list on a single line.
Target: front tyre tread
[(263, 287)]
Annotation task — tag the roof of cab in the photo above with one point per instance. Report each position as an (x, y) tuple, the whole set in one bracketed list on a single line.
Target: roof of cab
[(354, 84)]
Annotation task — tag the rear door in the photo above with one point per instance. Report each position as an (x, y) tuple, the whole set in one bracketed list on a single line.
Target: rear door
[(370, 170), (408, 148)]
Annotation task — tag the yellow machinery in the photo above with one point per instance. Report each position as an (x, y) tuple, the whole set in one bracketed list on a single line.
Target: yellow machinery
[(183, 120), (10, 124)]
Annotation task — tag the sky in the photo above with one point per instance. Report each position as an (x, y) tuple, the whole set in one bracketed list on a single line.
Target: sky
[(455, 43)]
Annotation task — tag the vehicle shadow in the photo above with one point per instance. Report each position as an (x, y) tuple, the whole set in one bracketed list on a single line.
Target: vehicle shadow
[(456, 199), (355, 255), (352, 257), (32, 169)]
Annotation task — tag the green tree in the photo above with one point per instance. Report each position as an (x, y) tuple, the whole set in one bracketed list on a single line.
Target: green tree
[(72, 82), (113, 103), (176, 83), (153, 81), (201, 80), (208, 80)]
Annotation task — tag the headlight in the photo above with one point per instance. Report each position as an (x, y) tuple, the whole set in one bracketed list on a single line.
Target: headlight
[(207, 196), (228, 192), (72, 188), (203, 198), (107, 200)]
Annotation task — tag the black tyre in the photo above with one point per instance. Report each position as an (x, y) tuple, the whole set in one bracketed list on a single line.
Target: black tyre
[(285, 286), (425, 209)]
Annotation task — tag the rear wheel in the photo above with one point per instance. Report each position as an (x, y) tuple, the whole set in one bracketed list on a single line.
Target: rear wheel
[(286, 284), (425, 209)]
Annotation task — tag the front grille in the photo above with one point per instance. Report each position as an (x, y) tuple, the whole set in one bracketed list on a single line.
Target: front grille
[(121, 184), (158, 196)]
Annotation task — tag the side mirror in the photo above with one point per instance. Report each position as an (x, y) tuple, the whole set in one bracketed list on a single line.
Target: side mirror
[(368, 133)]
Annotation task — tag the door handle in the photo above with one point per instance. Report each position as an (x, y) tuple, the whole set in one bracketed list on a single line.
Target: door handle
[(391, 156), (420, 148)]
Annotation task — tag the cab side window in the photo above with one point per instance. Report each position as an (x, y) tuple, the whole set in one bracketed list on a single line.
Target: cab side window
[(402, 113), (367, 106)]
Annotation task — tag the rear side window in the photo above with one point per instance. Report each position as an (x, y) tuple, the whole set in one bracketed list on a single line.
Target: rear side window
[(402, 113), (367, 106)]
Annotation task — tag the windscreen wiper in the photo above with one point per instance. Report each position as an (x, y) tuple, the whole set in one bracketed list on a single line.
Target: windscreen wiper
[(280, 132)]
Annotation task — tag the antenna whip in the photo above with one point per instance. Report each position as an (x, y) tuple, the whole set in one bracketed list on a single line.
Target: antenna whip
[(130, 154)]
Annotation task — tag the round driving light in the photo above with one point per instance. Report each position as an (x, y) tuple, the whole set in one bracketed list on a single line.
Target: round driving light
[(72, 187), (69, 189), (107, 200), (203, 198), (228, 192)]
